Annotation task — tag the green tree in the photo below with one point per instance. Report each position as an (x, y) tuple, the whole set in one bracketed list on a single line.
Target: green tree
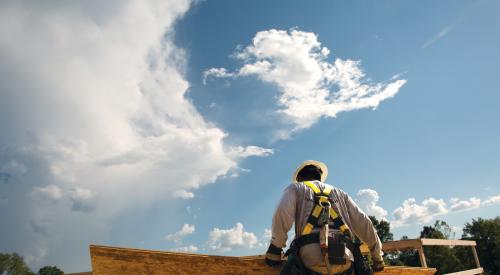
[(486, 233), (407, 257), (442, 258), (13, 264), (383, 229), (50, 270), (4, 262)]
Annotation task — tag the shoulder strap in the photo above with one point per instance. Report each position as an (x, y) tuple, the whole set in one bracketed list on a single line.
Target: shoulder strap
[(319, 197)]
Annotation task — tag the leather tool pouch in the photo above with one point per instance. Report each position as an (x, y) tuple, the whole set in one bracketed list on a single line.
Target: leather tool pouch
[(336, 248)]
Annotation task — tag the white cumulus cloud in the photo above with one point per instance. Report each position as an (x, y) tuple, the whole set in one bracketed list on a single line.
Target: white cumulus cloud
[(492, 200), (93, 103), (216, 72), (176, 237), (227, 239), (310, 86), (249, 151), (367, 200), (411, 212), (267, 234), (83, 199), (459, 205), (188, 248), (183, 194)]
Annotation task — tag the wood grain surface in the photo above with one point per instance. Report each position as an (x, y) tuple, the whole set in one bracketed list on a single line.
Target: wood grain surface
[(114, 260)]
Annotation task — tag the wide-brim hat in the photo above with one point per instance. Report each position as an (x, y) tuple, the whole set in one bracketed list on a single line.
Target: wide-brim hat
[(316, 163)]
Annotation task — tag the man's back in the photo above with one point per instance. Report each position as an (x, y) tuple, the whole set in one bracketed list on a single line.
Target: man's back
[(297, 204), (318, 207), (311, 253)]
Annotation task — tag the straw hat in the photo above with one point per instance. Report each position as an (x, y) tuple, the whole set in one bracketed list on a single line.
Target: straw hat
[(316, 163)]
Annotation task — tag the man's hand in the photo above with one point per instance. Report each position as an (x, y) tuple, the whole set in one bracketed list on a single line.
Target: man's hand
[(378, 266), (273, 255)]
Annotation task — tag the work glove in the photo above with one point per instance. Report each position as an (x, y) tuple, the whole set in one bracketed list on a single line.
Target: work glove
[(273, 255), (378, 265)]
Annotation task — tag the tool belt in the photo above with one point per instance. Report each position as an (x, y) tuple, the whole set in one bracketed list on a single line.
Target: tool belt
[(336, 246), (294, 264)]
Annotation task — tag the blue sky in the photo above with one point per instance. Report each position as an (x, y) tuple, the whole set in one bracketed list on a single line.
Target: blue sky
[(112, 136)]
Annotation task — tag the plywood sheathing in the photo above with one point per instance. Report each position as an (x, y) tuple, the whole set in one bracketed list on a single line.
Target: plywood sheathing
[(114, 260)]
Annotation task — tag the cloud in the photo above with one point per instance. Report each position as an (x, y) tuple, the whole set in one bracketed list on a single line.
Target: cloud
[(310, 86), (51, 191), (459, 205), (250, 151), (491, 200), (189, 248), (411, 212), (267, 234), (94, 112), (442, 33), (227, 239), (368, 199), (83, 199), (183, 194), (216, 72), (266, 238), (456, 230), (183, 232)]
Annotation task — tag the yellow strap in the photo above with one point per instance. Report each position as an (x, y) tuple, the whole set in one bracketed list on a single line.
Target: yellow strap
[(323, 200), (344, 228), (313, 187), (333, 214), (316, 211), (307, 229)]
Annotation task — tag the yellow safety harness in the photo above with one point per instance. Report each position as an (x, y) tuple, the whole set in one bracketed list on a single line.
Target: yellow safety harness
[(324, 217), (322, 203)]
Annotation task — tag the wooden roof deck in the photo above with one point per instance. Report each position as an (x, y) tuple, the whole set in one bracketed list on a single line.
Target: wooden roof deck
[(115, 260)]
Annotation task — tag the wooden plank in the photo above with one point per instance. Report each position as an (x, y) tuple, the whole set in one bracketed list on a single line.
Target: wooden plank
[(468, 272), (421, 254), (447, 242), (476, 258), (114, 260), (401, 245)]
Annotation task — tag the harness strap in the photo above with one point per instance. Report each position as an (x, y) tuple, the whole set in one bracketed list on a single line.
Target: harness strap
[(307, 239), (321, 196)]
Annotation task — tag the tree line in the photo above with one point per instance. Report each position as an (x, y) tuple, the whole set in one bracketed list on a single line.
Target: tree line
[(13, 264), (486, 233)]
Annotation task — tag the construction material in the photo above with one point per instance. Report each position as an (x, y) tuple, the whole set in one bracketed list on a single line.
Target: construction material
[(419, 244), (114, 260)]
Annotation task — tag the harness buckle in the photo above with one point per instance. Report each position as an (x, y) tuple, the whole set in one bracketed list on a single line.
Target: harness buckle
[(324, 217)]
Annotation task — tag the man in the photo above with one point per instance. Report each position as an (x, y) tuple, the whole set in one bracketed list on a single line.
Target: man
[(316, 207)]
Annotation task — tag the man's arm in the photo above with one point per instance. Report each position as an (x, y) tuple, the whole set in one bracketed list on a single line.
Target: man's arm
[(362, 226), (283, 219)]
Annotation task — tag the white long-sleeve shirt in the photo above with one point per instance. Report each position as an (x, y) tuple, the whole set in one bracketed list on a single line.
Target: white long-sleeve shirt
[(296, 205)]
